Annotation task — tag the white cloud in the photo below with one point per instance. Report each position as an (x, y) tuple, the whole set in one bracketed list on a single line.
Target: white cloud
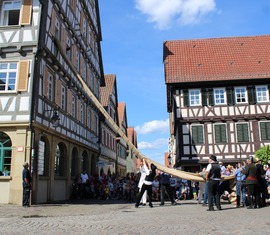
[(163, 12), (157, 144), (153, 126)]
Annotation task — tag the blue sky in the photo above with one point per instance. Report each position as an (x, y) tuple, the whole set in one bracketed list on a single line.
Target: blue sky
[(133, 32)]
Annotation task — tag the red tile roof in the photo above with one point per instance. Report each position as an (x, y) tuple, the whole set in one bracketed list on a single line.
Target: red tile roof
[(121, 112), (132, 135), (106, 90), (217, 59)]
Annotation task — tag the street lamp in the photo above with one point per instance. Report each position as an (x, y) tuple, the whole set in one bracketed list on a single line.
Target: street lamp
[(55, 119)]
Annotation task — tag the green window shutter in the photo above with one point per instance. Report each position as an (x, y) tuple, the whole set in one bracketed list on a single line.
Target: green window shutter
[(251, 95), (220, 133), (204, 97), (265, 130), (230, 96), (186, 98), (210, 97), (242, 133), (197, 134)]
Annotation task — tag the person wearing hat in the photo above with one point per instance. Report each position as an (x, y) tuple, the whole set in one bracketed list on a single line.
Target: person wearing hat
[(27, 179), (251, 181), (261, 186), (213, 175)]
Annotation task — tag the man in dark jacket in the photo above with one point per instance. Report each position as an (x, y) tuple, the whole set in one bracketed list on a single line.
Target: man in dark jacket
[(165, 187), (27, 179), (251, 181), (261, 186), (213, 176)]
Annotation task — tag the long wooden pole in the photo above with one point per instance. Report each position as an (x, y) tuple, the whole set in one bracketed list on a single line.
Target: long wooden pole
[(174, 172)]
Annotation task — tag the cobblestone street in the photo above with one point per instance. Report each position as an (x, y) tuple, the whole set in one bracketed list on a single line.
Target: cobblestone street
[(117, 217)]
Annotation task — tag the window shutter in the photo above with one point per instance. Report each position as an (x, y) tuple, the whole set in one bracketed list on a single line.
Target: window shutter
[(204, 97), (210, 97), (245, 132), (186, 98), (220, 133), (242, 133), (230, 96), (23, 75), (26, 12), (263, 130), (197, 135), (251, 95)]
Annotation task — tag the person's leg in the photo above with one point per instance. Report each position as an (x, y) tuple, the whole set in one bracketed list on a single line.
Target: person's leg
[(243, 194), (210, 195), (205, 196), (143, 189), (238, 197), (150, 192), (216, 194), (162, 194)]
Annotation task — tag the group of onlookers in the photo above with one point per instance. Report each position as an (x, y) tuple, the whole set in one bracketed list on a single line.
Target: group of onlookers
[(252, 186)]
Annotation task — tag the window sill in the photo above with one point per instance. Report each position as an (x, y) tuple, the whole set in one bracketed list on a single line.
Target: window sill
[(5, 178)]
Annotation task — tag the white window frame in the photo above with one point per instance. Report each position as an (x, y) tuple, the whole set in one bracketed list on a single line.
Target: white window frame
[(8, 79), (82, 116), (68, 48), (240, 95), (50, 87), (5, 12), (74, 106), (218, 97), (262, 96), (63, 97), (78, 60), (194, 98)]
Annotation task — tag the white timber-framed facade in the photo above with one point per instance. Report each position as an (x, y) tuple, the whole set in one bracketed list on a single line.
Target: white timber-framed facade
[(217, 98), (49, 45)]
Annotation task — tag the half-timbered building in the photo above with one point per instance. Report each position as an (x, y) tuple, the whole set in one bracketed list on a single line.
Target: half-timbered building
[(109, 101), (217, 98), (47, 49)]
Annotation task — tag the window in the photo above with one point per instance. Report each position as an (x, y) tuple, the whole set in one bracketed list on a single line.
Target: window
[(242, 132), (197, 134), (68, 48), (10, 14), (5, 154), (219, 96), (82, 113), (8, 76), (89, 118), (262, 94), (63, 97), (50, 90), (220, 133), (265, 130), (195, 97), (59, 166), (240, 95), (77, 61), (74, 106)]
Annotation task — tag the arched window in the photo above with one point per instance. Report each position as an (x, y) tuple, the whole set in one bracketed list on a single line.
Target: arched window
[(74, 162), (5, 154), (43, 156), (59, 165), (85, 162)]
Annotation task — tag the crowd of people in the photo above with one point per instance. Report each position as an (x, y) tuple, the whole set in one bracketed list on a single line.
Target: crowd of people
[(252, 182)]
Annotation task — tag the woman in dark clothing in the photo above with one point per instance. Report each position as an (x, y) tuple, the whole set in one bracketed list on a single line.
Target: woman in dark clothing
[(147, 184), (251, 181)]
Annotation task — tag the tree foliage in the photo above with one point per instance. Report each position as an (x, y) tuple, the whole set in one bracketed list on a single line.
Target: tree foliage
[(264, 154)]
